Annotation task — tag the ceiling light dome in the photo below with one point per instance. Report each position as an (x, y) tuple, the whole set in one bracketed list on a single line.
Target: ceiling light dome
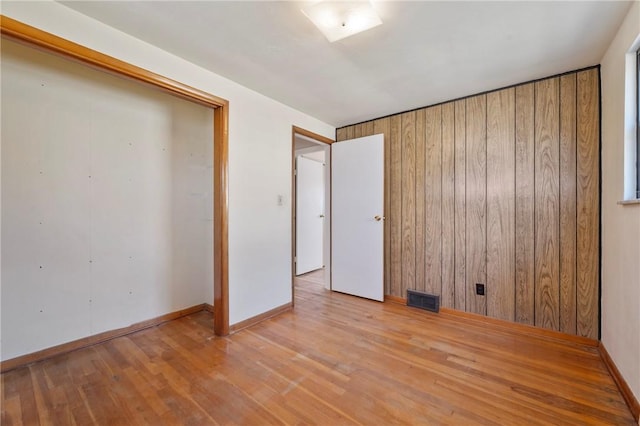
[(340, 19)]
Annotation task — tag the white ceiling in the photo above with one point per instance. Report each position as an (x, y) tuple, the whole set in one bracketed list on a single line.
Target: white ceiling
[(424, 52)]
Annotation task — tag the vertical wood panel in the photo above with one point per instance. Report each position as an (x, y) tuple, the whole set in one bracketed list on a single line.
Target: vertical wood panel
[(568, 204), (500, 189), (341, 134), (501, 204), (447, 298), (383, 126), (408, 201), (460, 274), (368, 128), (433, 203), (588, 203), (420, 199), (476, 201), (358, 130), (349, 132), (525, 237), (547, 204), (395, 208)]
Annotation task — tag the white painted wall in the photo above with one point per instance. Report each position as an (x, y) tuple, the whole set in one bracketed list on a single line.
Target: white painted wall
[(259, 155), (620, 224), (106, 202), (316, 154)]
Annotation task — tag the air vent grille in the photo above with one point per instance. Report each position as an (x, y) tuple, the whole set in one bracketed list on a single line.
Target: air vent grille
[(425, 301)]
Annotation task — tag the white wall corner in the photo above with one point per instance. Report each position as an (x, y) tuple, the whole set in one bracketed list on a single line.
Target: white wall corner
[(620, 251)]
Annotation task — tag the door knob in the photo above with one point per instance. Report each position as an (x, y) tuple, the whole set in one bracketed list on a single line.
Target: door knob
[(321, 215), (378, 218)]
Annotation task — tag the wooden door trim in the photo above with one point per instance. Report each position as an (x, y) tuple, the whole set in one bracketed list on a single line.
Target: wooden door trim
[(295, 130), (51, 43), (42, 40), (221, 220), (315, 136)]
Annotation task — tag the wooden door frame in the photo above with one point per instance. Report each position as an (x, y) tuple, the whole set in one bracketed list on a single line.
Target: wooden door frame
[(42, 40), (295, 130)]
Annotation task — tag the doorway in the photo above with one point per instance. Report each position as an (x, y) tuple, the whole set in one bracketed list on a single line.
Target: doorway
[(310, 207)]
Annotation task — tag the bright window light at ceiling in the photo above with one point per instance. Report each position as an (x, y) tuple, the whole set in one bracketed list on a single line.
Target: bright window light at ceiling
[(340, 19)]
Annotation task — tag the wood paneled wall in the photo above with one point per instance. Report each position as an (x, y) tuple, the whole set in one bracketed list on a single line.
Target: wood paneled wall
[(502, 189)]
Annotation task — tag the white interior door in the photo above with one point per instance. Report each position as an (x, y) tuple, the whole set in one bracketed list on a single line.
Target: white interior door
[(309, 214), (357, 230)]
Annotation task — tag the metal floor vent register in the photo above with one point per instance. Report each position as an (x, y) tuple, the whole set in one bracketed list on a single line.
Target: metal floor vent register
[(425, 301)]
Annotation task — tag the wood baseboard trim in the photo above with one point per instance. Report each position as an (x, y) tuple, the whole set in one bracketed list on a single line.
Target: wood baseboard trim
[(625, 390), (395, 299), (508, 325), (259, 318), (208, 307), (23, 360), (521, 328)]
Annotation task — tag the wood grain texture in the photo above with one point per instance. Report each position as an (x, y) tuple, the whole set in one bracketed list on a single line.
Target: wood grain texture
[(530, 330), (568, 310), (547, 204), (460, 249), (367, 128), (499, 209), (447, 297), (341, 134), (221, 221), (586, 190), (408, 201), (433, 200), (308, 133), (588, 202), (383, 364), (233, 328), (421, 219), (383, 126), (58, 350), (358, 130), (476, 201), (395, 299), (509, 325), (525, 202), (349, 132), (395, 208), (623, 386), (34, 37), (501, 204)]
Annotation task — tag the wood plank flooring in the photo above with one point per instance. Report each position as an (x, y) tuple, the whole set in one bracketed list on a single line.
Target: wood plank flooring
[(335, 359)]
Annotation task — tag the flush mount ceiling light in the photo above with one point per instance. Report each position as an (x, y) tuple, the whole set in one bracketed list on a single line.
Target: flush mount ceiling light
[(340, 19)]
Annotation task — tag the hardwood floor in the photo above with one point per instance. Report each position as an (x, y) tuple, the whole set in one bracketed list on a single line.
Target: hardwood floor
[(313, 277), (335, 359)]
